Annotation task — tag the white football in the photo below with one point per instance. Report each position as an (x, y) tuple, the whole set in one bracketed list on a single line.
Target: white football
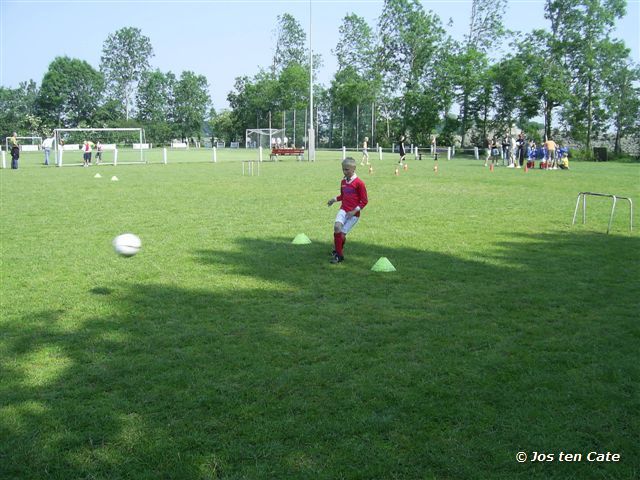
[(127, 244)]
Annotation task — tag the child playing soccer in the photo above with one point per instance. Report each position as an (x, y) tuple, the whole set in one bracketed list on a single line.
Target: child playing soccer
[(401, 150), (365, 152), (353, 195)]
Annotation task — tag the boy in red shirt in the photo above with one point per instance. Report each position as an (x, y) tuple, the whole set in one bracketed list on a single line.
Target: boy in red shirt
[(353, 195)]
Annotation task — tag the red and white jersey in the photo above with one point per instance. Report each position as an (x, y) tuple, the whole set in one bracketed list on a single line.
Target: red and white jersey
[(353, 194)]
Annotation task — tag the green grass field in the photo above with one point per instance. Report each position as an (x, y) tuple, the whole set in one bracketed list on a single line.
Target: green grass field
[(222, 351)]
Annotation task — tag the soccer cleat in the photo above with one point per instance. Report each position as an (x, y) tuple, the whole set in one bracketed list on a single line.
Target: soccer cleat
[(337, 258)]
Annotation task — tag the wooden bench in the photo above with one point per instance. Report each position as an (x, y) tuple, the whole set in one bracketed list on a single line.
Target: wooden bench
[(298, 152)]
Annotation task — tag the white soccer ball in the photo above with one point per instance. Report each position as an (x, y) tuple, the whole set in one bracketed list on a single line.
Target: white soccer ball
[(127, 244)]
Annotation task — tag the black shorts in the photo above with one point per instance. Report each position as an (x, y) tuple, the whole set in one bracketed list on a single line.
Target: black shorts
[(87, 156)]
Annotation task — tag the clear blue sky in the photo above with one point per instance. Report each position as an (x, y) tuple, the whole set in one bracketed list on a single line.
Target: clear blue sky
[(219, 39)]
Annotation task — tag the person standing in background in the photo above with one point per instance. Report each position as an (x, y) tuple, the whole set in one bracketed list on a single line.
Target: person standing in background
[(87, 146), (365, 151), (521, 157), (15, 150), (47, 144), (98, 152), (551, 146), (401, 150)]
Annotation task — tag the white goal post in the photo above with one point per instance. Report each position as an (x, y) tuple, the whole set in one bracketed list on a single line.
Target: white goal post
[(26, 144), (116, 145)]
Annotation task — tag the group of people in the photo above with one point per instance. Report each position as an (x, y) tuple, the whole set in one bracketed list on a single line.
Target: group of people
[(87, 149), (47, 145), (518, 152), (14, 147), (277, 142)]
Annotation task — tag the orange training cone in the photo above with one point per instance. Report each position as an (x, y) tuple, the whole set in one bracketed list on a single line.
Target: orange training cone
[(491, 167), (526, 168)]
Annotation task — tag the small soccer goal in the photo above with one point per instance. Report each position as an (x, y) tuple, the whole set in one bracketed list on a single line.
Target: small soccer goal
[(265, 137), (108, 146), (26, 144)]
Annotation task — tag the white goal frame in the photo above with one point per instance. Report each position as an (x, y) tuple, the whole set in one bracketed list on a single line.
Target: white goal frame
[(261, 135), (140, 143), (39, 145)]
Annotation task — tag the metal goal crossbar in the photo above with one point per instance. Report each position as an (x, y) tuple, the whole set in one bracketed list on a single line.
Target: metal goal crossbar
[(615, 198)]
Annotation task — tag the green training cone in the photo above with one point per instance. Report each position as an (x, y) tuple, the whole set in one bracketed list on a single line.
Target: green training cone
[(383, 265), (301, 239)]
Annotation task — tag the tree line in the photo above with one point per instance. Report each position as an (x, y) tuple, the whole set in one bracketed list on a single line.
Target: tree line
[(407, 76), (410, 77), (125, 91)]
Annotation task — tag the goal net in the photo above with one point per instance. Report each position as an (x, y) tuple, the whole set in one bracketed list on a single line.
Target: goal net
[(265, 138), (27, 144), (108, 146)]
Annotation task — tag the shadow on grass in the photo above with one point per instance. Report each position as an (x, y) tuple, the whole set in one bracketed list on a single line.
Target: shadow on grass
[(446, 368)]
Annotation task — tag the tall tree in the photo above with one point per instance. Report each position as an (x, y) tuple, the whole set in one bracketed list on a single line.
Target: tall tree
[(583, 29), (192, 102), (482, 104), (357, 82), (348, 91), (18, 110), (222, 125), (410, 41), (444, 77), (356, 44), (125, 57), (540, 55), (293, 87), (155, 104), (262, 100), (290, 43), (511, 95), (622, 97), (252, 99), (485, 24), (469, 67), (485, 30), (155, 95), (408, 36), (71, 93)]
